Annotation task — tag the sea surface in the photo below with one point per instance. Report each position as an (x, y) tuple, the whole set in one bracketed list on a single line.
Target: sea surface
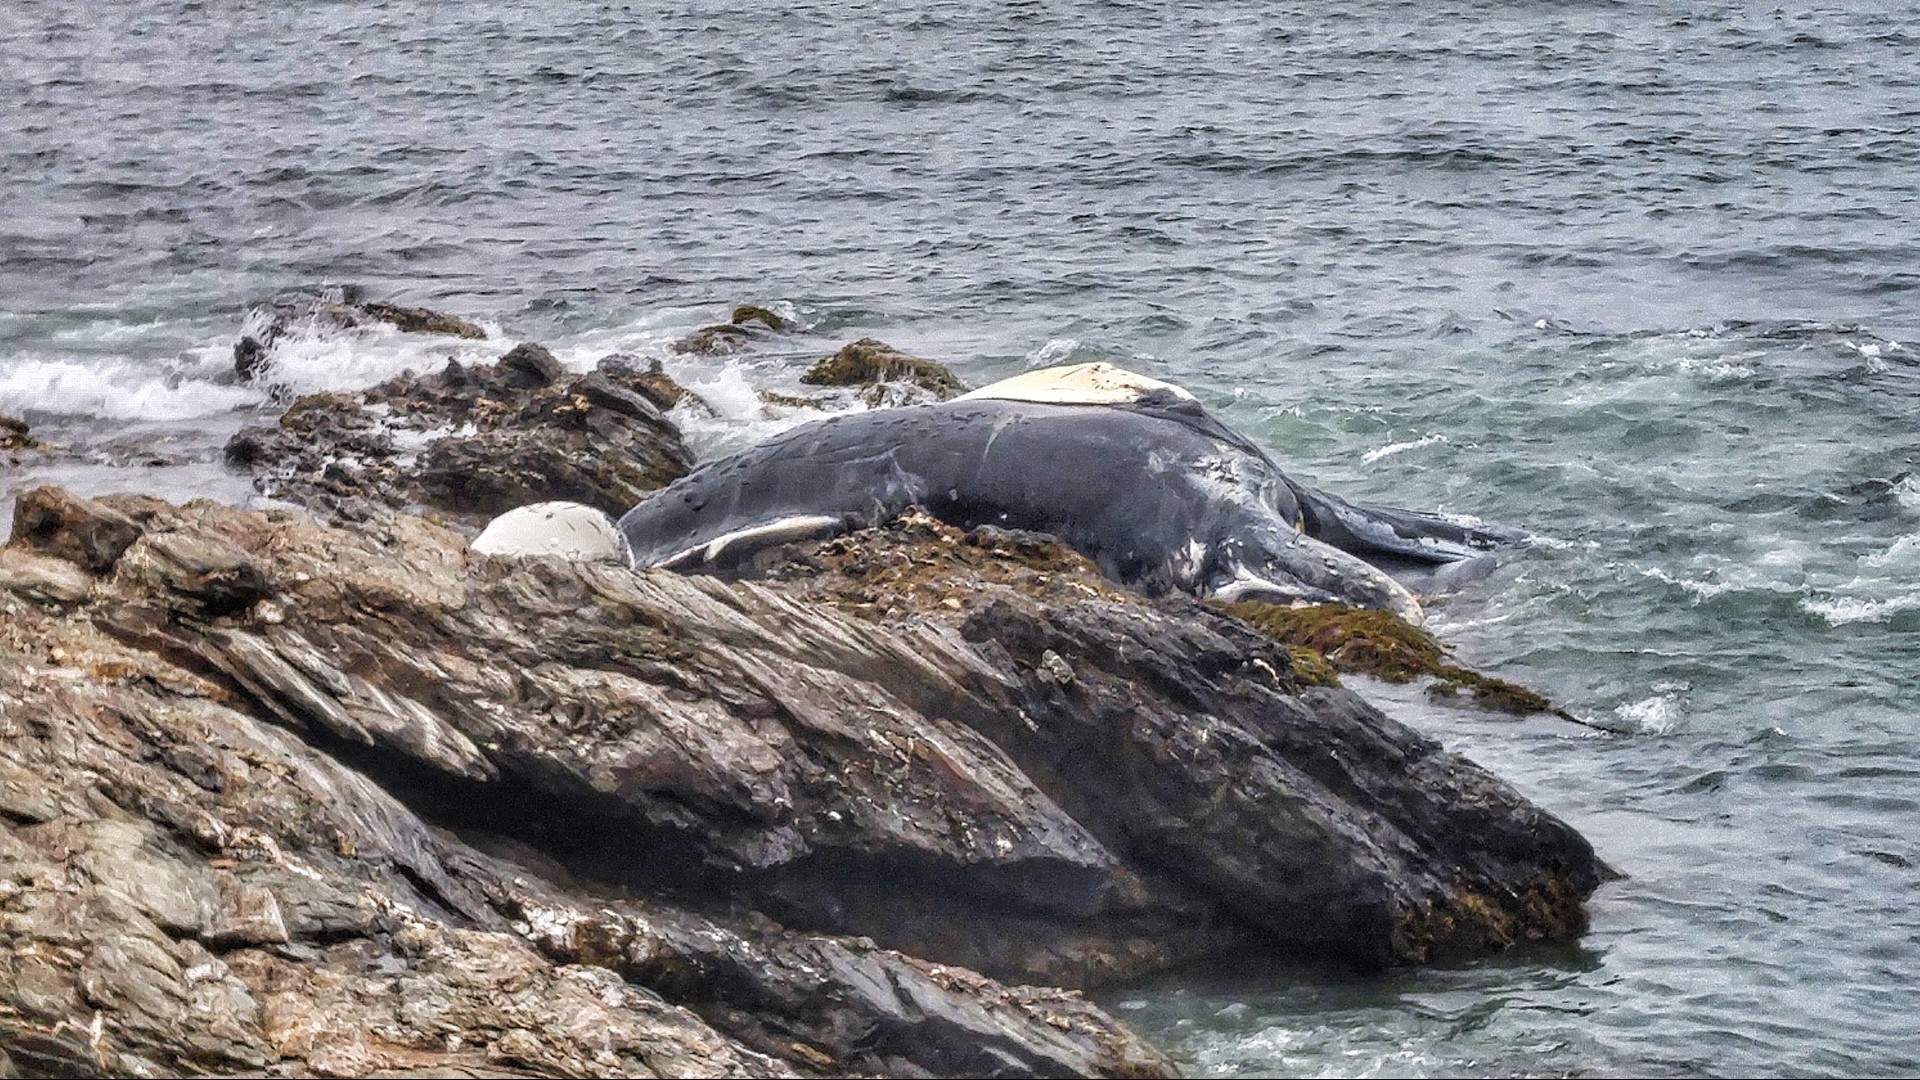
[(1639, 277)]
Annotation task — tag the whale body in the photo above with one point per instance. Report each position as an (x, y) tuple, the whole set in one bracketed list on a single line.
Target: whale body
[(1132, 472)]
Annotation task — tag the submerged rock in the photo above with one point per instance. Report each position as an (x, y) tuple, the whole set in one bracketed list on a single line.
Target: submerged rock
[(747, 322), (886, 375), (472, 442)]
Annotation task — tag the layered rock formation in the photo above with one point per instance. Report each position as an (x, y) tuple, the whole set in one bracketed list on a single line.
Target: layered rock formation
[(241, 834), (280, 795)]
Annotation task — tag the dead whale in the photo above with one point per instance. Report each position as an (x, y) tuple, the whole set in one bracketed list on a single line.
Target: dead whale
[(1132, 472)]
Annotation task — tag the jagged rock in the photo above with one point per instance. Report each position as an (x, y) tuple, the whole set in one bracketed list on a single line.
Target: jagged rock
[(42, 578), (651, 382), (420, 320), (53, 521), (754, 313), (529, 367), (1011, 766), (886, 376), (203, 574), (471, 442), (336, 310), (713, 340), (1044, 607), (204, 866)]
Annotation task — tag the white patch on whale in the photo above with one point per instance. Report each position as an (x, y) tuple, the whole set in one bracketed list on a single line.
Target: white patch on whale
[(1097, 383)]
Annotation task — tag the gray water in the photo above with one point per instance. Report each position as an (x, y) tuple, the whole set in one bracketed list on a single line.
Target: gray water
[(1632, 275)]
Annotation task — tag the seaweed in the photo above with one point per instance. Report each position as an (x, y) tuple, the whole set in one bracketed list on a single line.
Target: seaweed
[(1361, 641)]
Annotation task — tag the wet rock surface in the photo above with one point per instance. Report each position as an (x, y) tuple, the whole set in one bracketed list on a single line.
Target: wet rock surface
[(474, 442), (284, 797)]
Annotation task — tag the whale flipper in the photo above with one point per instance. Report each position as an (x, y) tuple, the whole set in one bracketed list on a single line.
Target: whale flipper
[(1265, 558)]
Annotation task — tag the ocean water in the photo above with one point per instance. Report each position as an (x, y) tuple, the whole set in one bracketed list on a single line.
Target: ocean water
[(1638, 276)]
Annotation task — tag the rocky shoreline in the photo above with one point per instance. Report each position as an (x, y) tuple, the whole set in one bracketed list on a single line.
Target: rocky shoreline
[(319, 791)]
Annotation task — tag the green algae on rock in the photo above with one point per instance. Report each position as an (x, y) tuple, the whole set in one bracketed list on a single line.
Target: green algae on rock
[(754, 313), (1378, 643)]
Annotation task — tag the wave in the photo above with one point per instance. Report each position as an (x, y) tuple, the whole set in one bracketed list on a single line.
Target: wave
[(122, 390)]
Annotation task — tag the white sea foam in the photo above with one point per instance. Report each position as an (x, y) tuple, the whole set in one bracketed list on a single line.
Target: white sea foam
[(649, 335), (1391, 449), (1055, 351), (1907, 493), (1885, 584), (730, 393), (1902, 554), (1720, 369), (308, 359), (113, 390), (1841, 610), (1660, 714), (736, 416)]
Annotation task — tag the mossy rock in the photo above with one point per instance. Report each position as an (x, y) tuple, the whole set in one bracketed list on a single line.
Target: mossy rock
[(1312, 669), (867, 361), (422, 321), (16, 435), (754, 313), (714, 340), (740, 328), (1361, 641)]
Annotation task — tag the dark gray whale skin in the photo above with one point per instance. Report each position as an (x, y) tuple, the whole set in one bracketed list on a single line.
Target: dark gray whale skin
[(1158, 493)]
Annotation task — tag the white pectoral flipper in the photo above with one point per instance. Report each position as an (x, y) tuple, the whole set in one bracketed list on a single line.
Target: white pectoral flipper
[(740, 544)]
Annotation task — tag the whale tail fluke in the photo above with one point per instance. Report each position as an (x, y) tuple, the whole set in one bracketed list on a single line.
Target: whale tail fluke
[(1373, 532)]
